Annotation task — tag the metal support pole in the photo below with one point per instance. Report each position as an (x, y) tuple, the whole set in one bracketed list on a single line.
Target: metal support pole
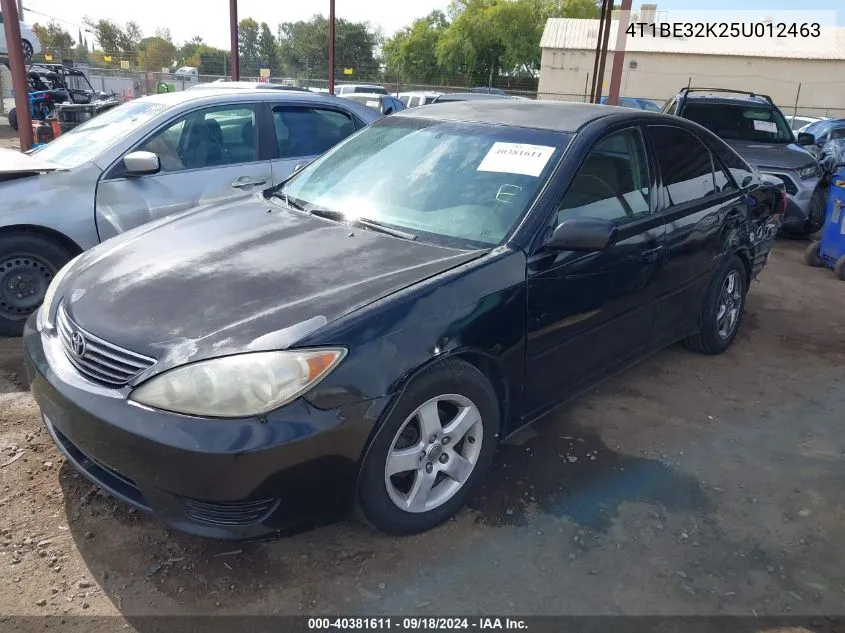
[(599, 38), (603, 57), (331, 47), (619, 54), (233, 25), (17, 65), (797, 95)]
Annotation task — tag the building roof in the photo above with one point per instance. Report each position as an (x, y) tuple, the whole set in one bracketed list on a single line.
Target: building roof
[(577, 34), (557, 116)]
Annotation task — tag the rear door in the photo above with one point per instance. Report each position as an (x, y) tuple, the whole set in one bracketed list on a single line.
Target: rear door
[(591, 312), (304, 131), (207, 155), (698, 199)]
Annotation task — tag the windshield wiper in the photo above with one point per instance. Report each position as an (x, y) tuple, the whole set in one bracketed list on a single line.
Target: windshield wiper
[(293, 203), (363, 222)]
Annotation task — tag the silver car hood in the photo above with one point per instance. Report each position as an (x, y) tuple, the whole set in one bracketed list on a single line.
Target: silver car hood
[(15, 164)]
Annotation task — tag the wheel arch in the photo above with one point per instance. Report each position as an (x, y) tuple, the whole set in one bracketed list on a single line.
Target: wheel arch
[(59, 238)]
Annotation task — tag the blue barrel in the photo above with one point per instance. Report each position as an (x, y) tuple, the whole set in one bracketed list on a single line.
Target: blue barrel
[(832, 248)]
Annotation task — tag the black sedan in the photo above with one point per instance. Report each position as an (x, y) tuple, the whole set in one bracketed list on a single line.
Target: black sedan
[(365, 333)]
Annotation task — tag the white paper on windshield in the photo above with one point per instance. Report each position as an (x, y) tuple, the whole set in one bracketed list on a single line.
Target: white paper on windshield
[(372, 104), (517, 158), (766, 126)]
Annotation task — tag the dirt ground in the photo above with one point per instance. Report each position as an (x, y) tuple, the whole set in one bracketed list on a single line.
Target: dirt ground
[(688, 485)]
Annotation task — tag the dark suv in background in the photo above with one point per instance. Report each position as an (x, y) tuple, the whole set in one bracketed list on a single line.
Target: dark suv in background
[(756, 128)]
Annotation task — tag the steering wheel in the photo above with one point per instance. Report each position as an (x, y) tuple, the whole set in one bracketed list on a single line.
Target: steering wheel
[(627, 207)]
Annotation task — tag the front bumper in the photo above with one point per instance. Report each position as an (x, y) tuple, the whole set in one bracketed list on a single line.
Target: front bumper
[(226, 479), (799, 198)]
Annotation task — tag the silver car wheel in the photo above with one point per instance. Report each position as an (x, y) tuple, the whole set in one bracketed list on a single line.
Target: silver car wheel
[(730, 305), (434, 453)]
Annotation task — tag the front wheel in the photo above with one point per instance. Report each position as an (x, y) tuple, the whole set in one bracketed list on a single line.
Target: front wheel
[(13, 119), (722, 311), (27, 50), (28, 264), (431, 451)]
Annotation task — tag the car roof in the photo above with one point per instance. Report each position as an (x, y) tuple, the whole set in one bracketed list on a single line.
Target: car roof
[(252, 85), (726, 99), (365, 95), (554, 116)]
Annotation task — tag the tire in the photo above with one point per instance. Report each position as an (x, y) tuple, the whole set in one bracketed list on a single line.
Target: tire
[(387, 501), (711, 339), (815, 218), (28, 264), (27, 50), (839, 268), (811, 255), (13, 119)]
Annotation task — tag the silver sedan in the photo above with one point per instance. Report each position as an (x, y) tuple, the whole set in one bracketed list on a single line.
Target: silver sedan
[(147, 159)]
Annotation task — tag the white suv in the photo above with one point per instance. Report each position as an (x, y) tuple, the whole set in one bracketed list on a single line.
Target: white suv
[(31, 43)]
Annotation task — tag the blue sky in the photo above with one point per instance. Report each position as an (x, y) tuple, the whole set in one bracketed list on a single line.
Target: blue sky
[(751, 5)]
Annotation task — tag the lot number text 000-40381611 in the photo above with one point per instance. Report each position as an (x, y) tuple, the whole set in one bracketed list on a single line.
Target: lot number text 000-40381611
[(416, 624), (723, 29)]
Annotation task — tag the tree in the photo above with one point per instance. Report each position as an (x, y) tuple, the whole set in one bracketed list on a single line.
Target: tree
[(54, 39), (115, 40), (412, 52), (248, 45), (268, 50), (303, 49), (156, 53)]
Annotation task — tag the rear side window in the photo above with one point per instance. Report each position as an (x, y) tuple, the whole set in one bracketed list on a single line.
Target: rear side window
[(406, 100), (738, 168), (305, 131), (685, 164)]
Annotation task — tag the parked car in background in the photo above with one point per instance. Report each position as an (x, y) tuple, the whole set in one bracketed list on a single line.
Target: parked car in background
[(345, 89), (244, 85), (146, 159), (639, 104), (414, 99), (187, 73), (756, 128), (29, 40), (797, 123), (384, 104), (826, 130), (488, 90), (469, 96), (366, 332)]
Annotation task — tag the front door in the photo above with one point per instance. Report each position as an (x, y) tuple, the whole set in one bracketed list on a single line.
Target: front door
[(591, 312), (208, 155), (303, 132)]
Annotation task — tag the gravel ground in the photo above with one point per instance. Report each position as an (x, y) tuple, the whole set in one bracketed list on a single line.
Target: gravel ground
[(687, 485)]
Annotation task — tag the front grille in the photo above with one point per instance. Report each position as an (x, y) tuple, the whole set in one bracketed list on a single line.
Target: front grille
[(231, 514), (98, 360), (791, 188)]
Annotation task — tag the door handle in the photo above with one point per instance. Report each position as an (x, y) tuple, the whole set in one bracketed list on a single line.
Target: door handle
[(651, 254), (243, 183)]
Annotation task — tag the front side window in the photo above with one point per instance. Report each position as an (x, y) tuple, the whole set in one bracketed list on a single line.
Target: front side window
[(306, 131), (460, 184), (613, 182), (685, 164), (212, 137), (741, 122)]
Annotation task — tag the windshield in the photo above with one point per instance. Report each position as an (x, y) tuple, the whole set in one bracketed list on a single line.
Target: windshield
[(464, 185), (87, 141), (741, 122), (651, 106)]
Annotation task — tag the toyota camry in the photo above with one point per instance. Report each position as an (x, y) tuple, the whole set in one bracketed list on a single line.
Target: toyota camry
[(365, 333)]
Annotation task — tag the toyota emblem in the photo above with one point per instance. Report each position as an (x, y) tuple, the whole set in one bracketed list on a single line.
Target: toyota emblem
[(77, 343)]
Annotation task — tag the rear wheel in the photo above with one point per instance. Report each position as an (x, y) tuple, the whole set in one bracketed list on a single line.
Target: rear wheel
[(28, 264), (431, 451), (811, 255), (722, 311), (13, 119), (27, 50)]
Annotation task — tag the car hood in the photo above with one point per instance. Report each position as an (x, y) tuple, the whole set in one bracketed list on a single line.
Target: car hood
[(241, 276), (783, 156), (15, 164)]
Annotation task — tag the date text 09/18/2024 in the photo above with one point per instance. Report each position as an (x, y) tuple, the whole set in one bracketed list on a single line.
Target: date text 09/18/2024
[(431, 623)]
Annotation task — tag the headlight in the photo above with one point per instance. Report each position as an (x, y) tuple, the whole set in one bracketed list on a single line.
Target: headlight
[(810, 171), (239, 386), (45, 313)]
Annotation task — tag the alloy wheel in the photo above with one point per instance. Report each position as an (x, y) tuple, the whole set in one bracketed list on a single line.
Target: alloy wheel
[(434, 453), (730, 305)]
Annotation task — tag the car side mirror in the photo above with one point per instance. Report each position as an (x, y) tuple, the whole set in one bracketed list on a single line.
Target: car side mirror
[(141, 163), (805, 138), (300, 166), (582, 234), (388, 110)]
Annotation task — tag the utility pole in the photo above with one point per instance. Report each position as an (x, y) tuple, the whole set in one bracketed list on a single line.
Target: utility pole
[(17, 66), (233, 25), (619, 54), (331, 47)]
